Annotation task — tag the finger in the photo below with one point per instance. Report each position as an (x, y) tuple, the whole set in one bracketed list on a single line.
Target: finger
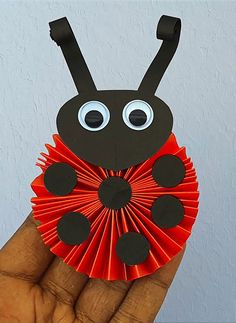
[(100, 299), (63, 281), (25, 255), (147, 294)]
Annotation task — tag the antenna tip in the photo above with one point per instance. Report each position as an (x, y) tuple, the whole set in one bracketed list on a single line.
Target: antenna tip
[(60, 30), (168, 27)]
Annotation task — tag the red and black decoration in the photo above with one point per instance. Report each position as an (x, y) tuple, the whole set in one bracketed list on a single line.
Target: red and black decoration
[(105, 245), (117, 197)]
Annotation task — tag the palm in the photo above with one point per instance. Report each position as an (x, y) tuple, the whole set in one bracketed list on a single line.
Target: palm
[(35, 286), (22, 301)]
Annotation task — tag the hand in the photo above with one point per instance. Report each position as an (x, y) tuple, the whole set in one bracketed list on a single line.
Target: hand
[(36, 286)]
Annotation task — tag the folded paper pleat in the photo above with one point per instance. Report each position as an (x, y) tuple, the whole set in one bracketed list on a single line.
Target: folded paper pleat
[(97, 255)]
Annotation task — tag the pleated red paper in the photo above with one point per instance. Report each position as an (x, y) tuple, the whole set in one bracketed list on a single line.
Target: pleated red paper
[(97, 256)]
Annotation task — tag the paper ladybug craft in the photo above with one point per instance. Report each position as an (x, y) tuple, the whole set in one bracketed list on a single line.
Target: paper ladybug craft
[(117, 197)]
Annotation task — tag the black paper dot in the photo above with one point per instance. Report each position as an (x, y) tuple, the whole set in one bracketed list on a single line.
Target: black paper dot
[(73, 228), (60, 179), (114, 192), (132, 248), (168, 171), (94, 119), (137, 117), (167, 211)]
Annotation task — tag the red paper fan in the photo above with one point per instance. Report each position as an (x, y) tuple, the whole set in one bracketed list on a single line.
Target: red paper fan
[(97, 255)]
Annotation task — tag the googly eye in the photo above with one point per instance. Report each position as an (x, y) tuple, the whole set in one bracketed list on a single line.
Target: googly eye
[(137, 115), (93, 115)]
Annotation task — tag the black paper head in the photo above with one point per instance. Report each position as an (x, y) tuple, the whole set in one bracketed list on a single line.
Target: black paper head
[(115, 129)]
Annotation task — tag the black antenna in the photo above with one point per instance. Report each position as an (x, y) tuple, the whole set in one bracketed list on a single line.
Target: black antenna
[(168, 30), (62, 34)]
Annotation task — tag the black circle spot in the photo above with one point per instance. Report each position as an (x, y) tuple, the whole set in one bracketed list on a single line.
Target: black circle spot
[(137, 117), (60, 179), (94, 119), (168, 171), (114, 192), (132, 248), (167, 211), (73, 228)]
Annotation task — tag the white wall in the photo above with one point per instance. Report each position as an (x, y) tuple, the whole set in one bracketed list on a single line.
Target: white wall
[(118, 41)]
